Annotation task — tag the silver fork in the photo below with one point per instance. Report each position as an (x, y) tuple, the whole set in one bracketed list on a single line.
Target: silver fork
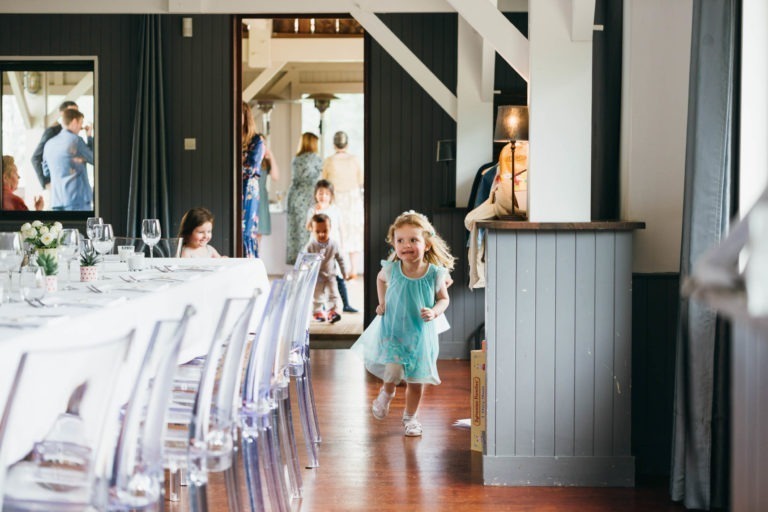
[(129, 279), (34, 303), (95, 289)]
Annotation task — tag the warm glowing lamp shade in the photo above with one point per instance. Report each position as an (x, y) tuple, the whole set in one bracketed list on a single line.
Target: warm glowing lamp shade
[(511, 126)]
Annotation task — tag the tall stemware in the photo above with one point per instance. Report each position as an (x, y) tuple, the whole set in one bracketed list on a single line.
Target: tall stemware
[(90, 224), (150, 233), (11, 254), (69, 246), (103, 240)]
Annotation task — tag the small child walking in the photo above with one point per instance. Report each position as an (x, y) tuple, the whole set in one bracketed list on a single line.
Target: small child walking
[(195, 232), (324, 203), (401, 343), (326, 285)]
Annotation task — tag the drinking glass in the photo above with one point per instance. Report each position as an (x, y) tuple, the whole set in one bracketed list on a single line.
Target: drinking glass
[(69, 245), (103, 241), (32, 283), (89, 225), (150, 233), (11, 254)]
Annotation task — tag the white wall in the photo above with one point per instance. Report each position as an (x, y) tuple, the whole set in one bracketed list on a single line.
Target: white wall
[(754, 115), (560, 92), (657, 40)]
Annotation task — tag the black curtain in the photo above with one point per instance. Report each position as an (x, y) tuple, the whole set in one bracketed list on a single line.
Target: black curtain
[(148, 193), (700, 472), (606, 109)]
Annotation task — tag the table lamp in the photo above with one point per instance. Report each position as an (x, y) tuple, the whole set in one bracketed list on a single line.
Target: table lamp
[(511, 126)]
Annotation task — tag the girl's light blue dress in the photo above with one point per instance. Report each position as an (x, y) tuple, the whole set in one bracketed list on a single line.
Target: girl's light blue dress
[(401, 336)]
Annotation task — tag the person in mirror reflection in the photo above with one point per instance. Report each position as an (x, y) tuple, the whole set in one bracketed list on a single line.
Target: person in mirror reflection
[(65, 157), (306, 167), (326, 298), (401, 344), (48, 134), (345, 172), (253, 149), (10, 183), (324, 203), (195, 231)]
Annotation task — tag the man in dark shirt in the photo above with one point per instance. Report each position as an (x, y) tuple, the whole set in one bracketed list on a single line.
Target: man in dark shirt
[(49, 133)]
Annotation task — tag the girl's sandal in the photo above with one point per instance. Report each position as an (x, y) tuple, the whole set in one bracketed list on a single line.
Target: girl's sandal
[(412, 428)]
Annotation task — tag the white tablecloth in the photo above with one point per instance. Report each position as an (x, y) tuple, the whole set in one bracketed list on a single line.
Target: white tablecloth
[(124, 306)]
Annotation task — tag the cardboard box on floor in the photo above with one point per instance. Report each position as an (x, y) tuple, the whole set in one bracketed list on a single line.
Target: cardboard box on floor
[(478, 400)]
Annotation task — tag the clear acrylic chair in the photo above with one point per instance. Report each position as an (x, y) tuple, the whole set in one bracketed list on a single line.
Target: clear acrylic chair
[(264, 466), (300, 367), (167, 248), (200, 436), (137, 474), (57, 432)]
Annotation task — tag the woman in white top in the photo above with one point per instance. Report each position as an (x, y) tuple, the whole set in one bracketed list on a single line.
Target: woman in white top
[(346, 174)]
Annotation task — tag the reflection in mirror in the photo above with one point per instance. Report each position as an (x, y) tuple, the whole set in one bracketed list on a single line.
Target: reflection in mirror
[(48, 112)]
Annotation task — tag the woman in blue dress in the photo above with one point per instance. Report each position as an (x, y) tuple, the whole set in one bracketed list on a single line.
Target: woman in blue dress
[(401, 343), (253, 153), (305, 171)]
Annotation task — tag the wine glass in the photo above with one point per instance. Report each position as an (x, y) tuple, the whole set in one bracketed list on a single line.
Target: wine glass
[(69, 245), (150, 233), (89, 225), (11, 254), (103, 240), (32, 283)]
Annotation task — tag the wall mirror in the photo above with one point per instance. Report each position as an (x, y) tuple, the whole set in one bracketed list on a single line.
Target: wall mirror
[(55, 165)]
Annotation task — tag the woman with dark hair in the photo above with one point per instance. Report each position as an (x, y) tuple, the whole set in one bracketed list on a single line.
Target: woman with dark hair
[(253, 148), (305, 171)]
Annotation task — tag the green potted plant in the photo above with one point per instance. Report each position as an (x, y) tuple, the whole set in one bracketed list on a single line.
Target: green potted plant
[(88, 269), (50, 266)]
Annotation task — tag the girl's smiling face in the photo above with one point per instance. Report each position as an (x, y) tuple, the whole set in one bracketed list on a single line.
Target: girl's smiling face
[(410, 244), (200, 236), (323, 196)]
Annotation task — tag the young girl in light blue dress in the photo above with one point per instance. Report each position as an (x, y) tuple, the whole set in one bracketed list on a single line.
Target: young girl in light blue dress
[(401, 343)]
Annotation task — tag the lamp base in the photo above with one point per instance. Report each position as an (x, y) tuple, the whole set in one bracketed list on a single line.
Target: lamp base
[(516, 216)]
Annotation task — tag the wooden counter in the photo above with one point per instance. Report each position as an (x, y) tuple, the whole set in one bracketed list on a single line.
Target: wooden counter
[(558, 327)]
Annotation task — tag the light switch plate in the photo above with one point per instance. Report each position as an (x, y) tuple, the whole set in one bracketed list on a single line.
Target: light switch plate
[(190, 144)]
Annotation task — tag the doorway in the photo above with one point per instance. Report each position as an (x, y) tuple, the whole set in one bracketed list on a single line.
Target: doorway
[(304, 75)]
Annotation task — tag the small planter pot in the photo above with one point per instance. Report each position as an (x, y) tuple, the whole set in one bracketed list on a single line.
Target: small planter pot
[(88, 274), (51, 283)]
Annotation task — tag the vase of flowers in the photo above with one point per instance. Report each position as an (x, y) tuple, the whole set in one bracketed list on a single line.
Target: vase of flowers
[(50, 266), (41, 237)]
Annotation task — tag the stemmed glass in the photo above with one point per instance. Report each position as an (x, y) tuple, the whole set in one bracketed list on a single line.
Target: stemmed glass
[(11, 254), (69, 245), (32, 283), (90, 224), (150, 233), (103, 240)]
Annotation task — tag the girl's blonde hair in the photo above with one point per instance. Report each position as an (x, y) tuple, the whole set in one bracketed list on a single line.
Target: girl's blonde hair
[(438, 253)]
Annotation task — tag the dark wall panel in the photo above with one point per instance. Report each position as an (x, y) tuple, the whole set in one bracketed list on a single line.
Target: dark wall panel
[(655, 305), (198, 98), (114, 41)]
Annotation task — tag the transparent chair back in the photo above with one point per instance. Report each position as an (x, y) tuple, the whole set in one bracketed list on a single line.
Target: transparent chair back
[(262, 459), (57, 432), (300, 336), (137, 477), (202, 435)]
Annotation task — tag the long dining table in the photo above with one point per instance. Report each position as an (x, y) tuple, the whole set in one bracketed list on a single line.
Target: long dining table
[(80, 314)]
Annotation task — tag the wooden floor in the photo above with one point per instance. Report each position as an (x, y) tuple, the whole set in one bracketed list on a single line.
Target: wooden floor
[(367, 464)]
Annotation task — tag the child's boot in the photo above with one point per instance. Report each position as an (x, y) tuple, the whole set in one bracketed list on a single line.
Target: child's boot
[(319, 316)]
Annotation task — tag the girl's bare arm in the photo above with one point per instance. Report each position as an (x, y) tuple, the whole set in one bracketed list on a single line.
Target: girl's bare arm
[(441, 304), (381, 291)]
